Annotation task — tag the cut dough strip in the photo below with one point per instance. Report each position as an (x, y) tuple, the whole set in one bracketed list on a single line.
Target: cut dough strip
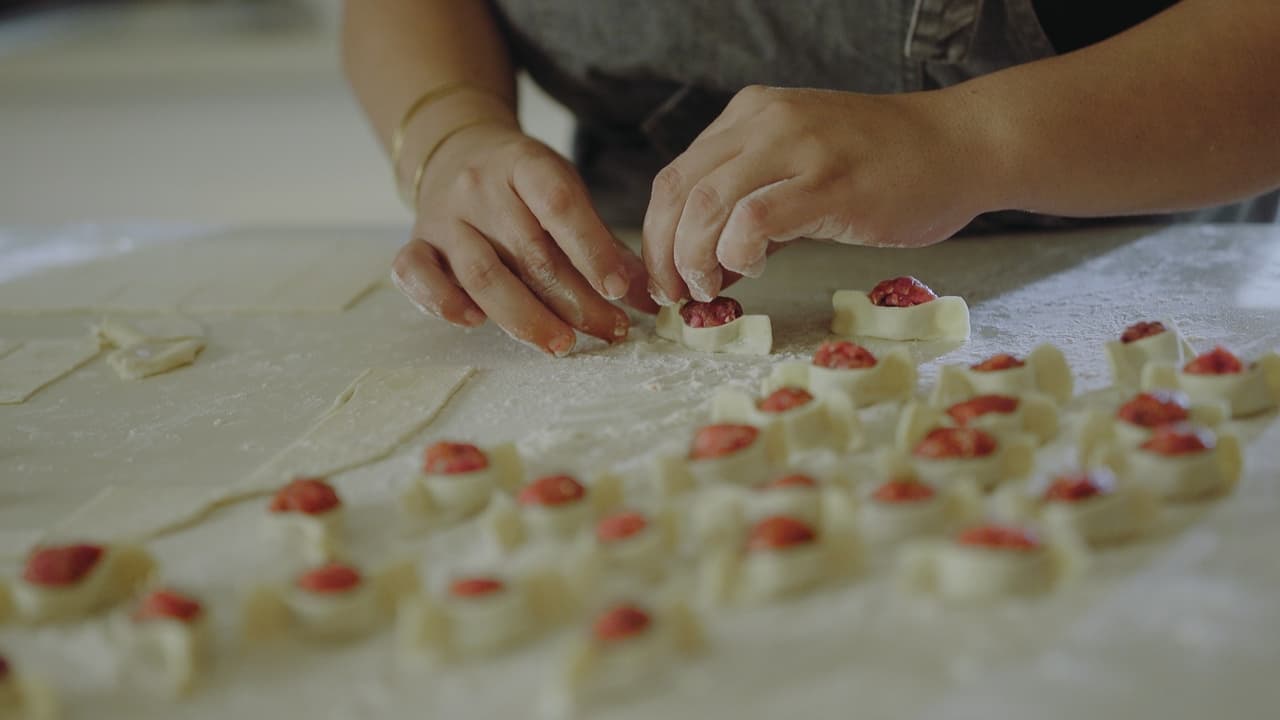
[(380, 410), (36, 364)]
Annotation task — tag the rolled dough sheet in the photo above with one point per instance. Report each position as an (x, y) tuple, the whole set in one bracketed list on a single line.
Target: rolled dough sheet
[(376, 413), (37, 363), (239, 273)]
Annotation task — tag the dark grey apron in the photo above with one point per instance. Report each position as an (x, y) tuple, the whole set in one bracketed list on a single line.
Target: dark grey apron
[(644, 77)]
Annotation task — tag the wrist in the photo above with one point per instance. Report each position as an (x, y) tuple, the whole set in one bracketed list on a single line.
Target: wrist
[(424, 135), (985, 146)]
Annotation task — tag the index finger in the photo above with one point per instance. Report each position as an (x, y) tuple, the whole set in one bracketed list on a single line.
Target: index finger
[(560, 202)]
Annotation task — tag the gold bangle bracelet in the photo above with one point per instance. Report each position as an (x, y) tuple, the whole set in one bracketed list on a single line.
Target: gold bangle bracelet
[(411, 200), (425, 99)]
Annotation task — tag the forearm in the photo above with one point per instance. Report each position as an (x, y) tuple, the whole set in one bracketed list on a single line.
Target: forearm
[(1178, 113), (396, 50)]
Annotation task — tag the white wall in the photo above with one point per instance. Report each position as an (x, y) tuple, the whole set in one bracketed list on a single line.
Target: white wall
[(175, 113)]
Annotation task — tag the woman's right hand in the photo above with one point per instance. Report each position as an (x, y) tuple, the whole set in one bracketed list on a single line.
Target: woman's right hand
[(506, 230)]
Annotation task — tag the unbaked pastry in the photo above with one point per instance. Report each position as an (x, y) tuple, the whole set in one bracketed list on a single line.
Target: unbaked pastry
[(899, 309), (149, 346), (628, 543), (718, 514), (1135, 420), (1091, 504), (990, 561), (458, 480), (720, 454), (1181, 462), (23, 697), (906, 507), (552, 508), (802, 421), (1045, 371), (1218, 376), (628, 646), (843, 367), (723, 332), (776, 557), (308, 516), (1143, 343), (331, 602), (68, 582), (949, 454), (1005, 416), (164, 642), (479, 615)]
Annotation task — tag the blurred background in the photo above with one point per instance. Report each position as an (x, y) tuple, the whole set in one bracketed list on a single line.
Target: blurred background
[(203, 110)]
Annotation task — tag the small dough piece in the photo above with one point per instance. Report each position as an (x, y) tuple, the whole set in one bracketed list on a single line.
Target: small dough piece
[(1004, 416), (906, 507), (1201, 464), (164, 643), (481, 615), (377, 412), (827, 421), (987, 562), (945, 318), (746, 462), (153, 357), (118, 332), (747, 335), (23, 697), (436, 496), (1129, 359), (628, 544), (1092, 505), (777, 557), (1254, 390), (629, 646), (552, 508), (331, 602), (35, 364), (979, 457), (309, 518), (720, 512), (1044, 371), (69, 582), (892, 378), (1133, 422)]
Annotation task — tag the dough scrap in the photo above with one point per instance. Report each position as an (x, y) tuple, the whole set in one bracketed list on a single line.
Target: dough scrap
[(121, 333), (35, 364), (153, 358)]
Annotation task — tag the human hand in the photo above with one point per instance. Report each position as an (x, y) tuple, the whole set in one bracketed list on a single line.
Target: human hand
[(505, 230), (781, 164)]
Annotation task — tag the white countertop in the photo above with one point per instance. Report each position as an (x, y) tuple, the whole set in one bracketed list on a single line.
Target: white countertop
[(1182, 626)]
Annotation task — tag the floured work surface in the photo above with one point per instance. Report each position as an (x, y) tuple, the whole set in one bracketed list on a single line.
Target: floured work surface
[(237, 272), (1182, 626)]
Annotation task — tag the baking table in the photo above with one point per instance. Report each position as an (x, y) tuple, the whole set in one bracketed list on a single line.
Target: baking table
[(1183, 625)]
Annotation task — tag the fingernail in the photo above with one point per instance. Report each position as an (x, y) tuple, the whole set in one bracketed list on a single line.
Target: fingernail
[(562, 345), (658, 295), (473, 317), (621, 329), (615, 286)]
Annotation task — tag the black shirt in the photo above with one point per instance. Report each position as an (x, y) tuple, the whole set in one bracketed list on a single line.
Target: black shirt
[(1073, 24)]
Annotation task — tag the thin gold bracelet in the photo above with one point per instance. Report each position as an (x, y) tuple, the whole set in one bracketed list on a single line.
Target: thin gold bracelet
[(411, 200), (425, 99)]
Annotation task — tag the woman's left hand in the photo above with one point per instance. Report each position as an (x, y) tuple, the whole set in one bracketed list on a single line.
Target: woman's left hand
[(780, 164)]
